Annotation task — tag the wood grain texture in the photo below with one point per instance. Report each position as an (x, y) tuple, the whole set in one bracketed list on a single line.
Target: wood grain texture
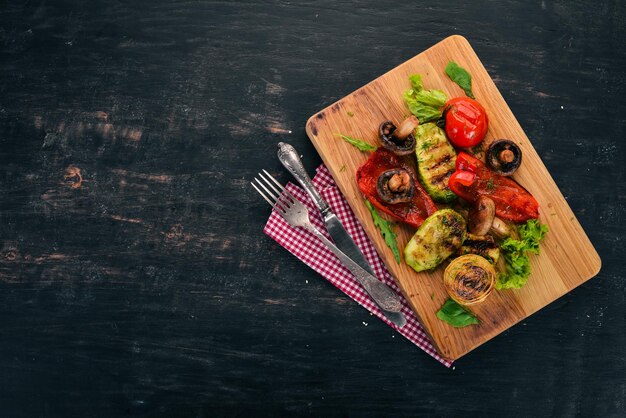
[(567, 258)]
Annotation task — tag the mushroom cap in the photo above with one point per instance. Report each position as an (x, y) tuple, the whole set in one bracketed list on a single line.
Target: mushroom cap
[(395, 186), (481, 216), (398, 146), (504, 156)]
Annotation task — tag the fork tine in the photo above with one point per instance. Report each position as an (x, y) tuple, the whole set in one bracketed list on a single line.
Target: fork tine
[(278, 204), (261, 193), (281, 205), (292, 197), (272, 195), (284, 199), (280, 186), (269, 183)]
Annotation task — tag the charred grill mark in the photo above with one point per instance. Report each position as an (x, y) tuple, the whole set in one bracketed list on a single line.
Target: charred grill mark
[(434, 147), (480, 245), (457, 229), (442, 178), (446, 158)]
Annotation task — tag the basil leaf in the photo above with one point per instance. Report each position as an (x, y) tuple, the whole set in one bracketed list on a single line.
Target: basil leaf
[(461, 77), (357, 143), (455, 315), (386, 230)]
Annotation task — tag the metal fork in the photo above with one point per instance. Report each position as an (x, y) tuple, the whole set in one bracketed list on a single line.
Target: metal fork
[(297, 215)]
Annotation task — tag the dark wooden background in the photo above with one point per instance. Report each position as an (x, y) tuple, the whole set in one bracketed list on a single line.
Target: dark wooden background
[(135, 279)]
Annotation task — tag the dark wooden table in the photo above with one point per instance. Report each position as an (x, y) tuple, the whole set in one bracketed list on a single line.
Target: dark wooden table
[(134, 275)]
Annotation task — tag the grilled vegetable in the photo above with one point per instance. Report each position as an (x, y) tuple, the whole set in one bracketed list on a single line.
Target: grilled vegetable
[(381, 160), (435, 161), (399, 140), (395, 186), (466, 122), (504, 156), (474, 179), (469, 279), (441, 234), (501, 229), (481, 216), (484, 246)]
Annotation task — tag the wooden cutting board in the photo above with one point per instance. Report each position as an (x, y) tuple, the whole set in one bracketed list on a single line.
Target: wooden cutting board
[(567, 256)]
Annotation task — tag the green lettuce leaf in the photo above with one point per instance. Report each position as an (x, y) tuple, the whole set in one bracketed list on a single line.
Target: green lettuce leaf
[(416, 82), (386, 230), (515, 254), (426, 105), (532, 233), (461, 77), (455, 315), (434, 98)]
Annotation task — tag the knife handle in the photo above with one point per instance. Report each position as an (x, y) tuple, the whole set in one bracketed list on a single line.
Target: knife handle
[(288, 156), (386, 299)]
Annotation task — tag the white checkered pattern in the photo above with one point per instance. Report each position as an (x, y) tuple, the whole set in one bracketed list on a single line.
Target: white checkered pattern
[(313, 253)]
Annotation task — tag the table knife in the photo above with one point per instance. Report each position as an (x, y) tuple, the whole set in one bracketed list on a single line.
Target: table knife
[(289, 157)]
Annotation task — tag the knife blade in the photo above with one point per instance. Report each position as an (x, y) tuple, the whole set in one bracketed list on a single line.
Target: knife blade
[(290, 159)]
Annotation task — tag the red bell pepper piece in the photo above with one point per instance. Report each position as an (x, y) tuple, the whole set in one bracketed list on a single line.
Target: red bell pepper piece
[(414, 212), (464, 178), (474, 179)]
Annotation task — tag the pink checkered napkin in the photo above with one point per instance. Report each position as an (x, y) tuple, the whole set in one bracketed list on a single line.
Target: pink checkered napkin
[(313, 253)]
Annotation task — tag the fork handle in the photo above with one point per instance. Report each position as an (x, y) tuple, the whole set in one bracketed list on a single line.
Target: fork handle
[(289, 157), (386, 299)]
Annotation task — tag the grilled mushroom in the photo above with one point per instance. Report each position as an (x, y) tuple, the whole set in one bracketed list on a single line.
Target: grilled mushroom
[(481, 216), (395, 186), (399, 140), (504, 156), (482, 219), (501, 229)]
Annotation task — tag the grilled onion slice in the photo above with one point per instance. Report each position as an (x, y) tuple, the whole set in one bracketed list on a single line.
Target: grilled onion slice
[(469, 279)]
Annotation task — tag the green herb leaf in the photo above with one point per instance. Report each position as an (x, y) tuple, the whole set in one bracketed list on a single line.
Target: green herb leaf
[(516, 259), (461, 77), (386, 230), (416, 82), (423, 112), (357, 143), (350, 114), (532, 233), (426, 105), (433, 98), (455, 315), (490, 185)]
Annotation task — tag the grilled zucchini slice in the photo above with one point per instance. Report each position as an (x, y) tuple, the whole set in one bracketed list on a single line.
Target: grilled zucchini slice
[(435, 161), (441, 234), (484, 246)]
